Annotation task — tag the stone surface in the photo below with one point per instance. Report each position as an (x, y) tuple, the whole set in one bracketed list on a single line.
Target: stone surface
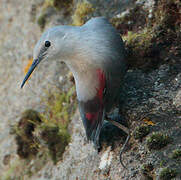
[(154, 95)]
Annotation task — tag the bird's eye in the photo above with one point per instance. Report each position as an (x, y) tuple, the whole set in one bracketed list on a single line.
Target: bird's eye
[(47, 44)]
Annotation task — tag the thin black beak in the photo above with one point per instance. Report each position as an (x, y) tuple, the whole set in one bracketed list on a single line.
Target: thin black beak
[(31, 69)]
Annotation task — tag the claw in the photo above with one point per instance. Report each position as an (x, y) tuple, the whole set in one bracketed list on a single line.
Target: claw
[(122, 150), (126, 130)]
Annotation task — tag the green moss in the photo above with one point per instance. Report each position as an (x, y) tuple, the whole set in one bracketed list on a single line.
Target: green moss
[(162, 163), (55, 5), (167, 173), (132, 20), (82, 10), (60, 108), (42, 20), (141, 132), (64, 6), (26, 142), (142, 38), (167, 13), (31, 115), (137, 35), (146, 170), (157, 141), (149, 40), (139, 45), (57, 139), (42, 137), (176, 154), (147, 167), (58, 4)]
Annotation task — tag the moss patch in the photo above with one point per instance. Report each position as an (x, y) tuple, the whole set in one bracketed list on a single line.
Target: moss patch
[(167, 173), (132, 20), (42, 137), (176, 154), (140, 48), (167, 13), (41, 21), (150, 42), (141, 132), (60, 107), (52, 7), (64, 6), (27, 144), (54, 129), (82, 10), (157, 141), (146, 170), (162, 163), (56, 139), (58, 4)]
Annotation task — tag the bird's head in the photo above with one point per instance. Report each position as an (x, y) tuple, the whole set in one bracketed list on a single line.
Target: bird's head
[(53, 44)]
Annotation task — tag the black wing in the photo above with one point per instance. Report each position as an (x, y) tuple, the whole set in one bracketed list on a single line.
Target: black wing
[(92, 114)]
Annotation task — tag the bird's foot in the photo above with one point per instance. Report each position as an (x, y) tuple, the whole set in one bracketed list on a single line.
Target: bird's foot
[(126, 130)]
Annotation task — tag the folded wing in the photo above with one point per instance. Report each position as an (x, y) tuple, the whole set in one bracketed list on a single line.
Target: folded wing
[(92, 111)]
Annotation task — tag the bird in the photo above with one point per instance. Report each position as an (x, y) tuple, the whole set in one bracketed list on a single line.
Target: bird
[(96, 56)]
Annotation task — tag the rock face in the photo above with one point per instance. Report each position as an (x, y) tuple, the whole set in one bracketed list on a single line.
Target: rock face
[(150, 97), (18, 35)]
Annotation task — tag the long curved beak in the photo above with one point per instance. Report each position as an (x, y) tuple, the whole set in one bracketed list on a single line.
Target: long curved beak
[(31, 69)]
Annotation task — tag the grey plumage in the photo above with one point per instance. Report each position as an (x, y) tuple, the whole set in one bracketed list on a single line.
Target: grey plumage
[(95, 54)]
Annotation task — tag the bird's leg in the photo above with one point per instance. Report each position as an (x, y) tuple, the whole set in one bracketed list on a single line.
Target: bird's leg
[(126, 130)]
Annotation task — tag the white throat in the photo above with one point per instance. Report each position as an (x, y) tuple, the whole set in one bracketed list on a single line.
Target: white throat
[(86, 80)]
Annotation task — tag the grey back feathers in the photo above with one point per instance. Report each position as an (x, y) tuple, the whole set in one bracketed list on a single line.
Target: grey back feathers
[(96, 44), (95, 54), (109, 51)]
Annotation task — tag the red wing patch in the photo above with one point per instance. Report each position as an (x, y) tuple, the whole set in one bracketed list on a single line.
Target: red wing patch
[(91, 116), (92, 110)]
